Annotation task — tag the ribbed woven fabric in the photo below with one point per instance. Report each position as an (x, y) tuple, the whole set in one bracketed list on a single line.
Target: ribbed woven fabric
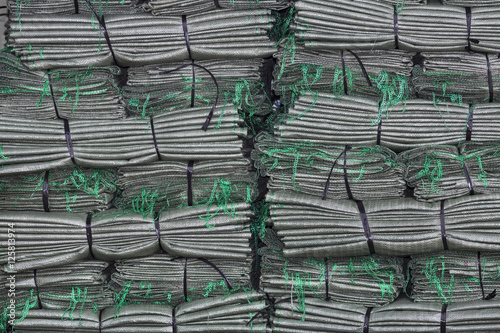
[(80, 93), (458, 77), (443, 172), (305, 167), (369, 281), (371, 24), (398, 317), (67, 7), (309, 226), (78, 190), (450, 277), (69, 237), (173, 280), (470, 3), (43, 42), (330, 120), (28, 146), (221, 314), (174, 7), (162, 185), (157, 89)]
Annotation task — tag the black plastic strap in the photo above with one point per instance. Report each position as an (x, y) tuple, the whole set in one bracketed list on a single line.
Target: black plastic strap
[(396, 28), (152, 125), (174, 322), (51, 88), (190, 169), (327, 281), (443, 227), (89, 233), (468, 14), (466, 173), (363, 69), (366, 325), (36, 290), (217, 5), (343, 71), (69, 143), (186, 35), (102, 24), (214, 104), (379, 132), (470, 119), (100, 321), (327, 184), (211, 264), (193, 85), (77, 6), (494, 292), (184, 283), (157, 229), (45, 192), (443, 318), (490, 78)]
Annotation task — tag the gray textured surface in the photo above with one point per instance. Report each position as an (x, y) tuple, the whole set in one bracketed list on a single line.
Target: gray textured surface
[(3, 19)]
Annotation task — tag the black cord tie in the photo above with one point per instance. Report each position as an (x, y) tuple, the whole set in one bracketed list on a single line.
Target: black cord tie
[(363, 69), (327, 185), (443, 227), (490, 78), (157, 229), (36, 290), (468, 14), (89, 233), (270, 307), (494, 292), (211, 264), (190, 169), (186, 35), (184, 283), (366, 325), (443, 318), (343, 71), (214, 104), (77, 6), (45, 192), (466, 173), (217, 5), (396, 28), (102, 24), (174, 323), (151, 123), (327, 281), (470, 119), (100, 321)]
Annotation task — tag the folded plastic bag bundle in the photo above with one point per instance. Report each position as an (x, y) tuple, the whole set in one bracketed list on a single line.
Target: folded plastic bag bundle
[(458, 77), (443, 172), (220, 314), (471, 3), (78, 190), (371, 24), (369, 281), (49, 239), (68, 7), (45, 41), (401, 316), (77, 93), (450, 277), (173, 280), (330, 120), (157, 186), (319, 170), (72, 287), (383, 74), (311, 227), (180, 7), (157, 89), (28, 146)]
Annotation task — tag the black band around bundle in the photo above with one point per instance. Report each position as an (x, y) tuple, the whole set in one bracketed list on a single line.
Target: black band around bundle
[(89, 233), (343, 72), (366, 324), (443, 318), (214, 104), (69, 143), (490, 78), (184, 283), (174, 323), (466, 173), (363, 69), (36, 290), (470, 119), (193, 84), (100, 321), (190, 169), (217, 5), (49, 77), (157, 229), (186, 35), (327, 184), (77, 6), (379, 132), (45, 192), (211, 264), (443, 227), (327, 281), (396, 28), (102, 24), (494, 292), (151, 123), (468, 15)]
